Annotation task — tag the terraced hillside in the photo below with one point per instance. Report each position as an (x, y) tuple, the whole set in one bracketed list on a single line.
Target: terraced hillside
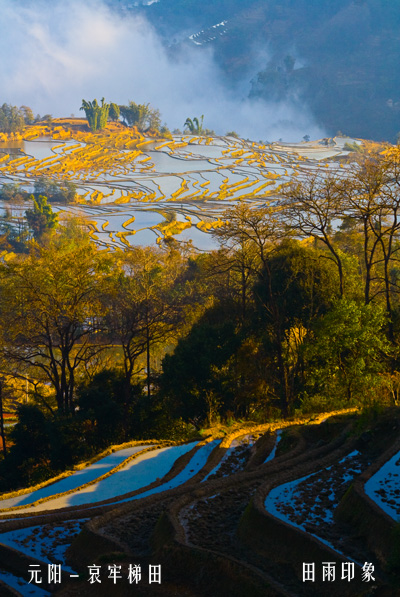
[(136, 189), (235, 514)]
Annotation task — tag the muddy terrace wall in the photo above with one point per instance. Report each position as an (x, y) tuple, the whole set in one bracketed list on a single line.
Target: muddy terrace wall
[(377, 527), (287, 545)]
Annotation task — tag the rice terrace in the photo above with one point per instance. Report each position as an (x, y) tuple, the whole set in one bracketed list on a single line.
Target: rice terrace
[(129, 184), (222, 507), (226, 309)]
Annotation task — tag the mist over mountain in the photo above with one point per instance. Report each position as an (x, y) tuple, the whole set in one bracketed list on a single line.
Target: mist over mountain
[(340, 59), (266, 69), (56, 53)]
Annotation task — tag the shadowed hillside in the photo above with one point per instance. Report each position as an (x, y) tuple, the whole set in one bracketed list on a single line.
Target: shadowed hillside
[(338, 58)]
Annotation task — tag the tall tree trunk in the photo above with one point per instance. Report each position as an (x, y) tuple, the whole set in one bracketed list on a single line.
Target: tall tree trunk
[(148, 359), (284, 390), (243, 274), (338, 261), (388, 301), (2, 431)]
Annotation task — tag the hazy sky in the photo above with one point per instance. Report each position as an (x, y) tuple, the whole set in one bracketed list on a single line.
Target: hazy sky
[(56, 53)]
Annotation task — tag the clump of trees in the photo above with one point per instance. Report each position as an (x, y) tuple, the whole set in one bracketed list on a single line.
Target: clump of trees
[(195, 126), (144, 116), (114, 112), (14, 119), (15, 230), (13, 191), (97, 114), (54, 191), (41, 219)]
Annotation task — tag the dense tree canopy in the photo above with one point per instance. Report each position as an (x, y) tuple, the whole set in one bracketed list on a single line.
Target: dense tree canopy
[(41, 218), (141, 115), (55, 191), (11, 119), (96, 114), (50, 309)]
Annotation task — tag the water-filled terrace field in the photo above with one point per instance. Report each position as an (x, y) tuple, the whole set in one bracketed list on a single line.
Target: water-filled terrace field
[(255, 503), (134, 189)]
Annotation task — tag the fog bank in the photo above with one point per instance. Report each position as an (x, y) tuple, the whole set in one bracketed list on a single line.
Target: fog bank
[(56, 53)]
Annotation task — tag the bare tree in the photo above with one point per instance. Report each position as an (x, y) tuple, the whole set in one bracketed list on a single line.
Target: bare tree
[(311, 203)]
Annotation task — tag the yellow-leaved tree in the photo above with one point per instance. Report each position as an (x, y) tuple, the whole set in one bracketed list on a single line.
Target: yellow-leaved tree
[(51, 311)]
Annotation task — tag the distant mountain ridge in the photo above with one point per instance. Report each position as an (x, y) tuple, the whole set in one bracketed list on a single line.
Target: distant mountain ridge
[(340, 58)]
